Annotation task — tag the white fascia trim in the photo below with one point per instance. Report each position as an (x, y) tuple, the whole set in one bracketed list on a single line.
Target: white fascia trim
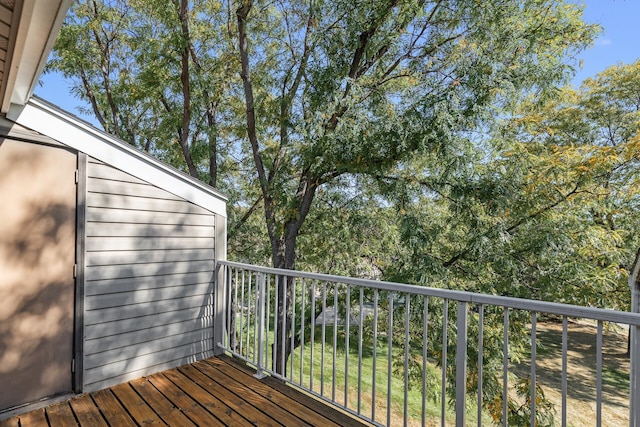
[(75, 133), (37, 29)]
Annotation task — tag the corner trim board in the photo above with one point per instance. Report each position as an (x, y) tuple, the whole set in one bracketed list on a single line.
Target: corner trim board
[(81, 237)]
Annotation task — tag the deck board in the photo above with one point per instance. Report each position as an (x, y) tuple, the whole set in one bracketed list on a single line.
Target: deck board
[(298, 399), (60, 415), (214, 392), (249, 382), (170, 414), (223, 412), (139, 410), (192, 409), (283, 417), (236, 405), (112, 410), (87, 412)]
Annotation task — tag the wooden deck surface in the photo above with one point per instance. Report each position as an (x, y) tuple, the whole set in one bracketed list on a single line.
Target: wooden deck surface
[(213, 392)]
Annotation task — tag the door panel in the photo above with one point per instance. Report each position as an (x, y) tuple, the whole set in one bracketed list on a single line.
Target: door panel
[(37, 252)]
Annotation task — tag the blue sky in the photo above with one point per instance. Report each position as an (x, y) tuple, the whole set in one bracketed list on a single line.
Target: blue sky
[(620, 40), (618, 43)]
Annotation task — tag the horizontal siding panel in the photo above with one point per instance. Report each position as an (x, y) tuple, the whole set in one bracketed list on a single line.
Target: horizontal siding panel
[(98, 302), (151, 348), (151, 269), (98, 229), (125, 326), (146, 217), (132, 375), (99, 200), (130, 311), (142, 257), (129, 189), (134, 244), (109, 286), (96, 169), (148, 363), (148, 278), (93, 346)]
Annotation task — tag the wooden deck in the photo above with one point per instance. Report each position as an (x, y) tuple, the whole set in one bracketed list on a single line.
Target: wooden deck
[(214, 392)]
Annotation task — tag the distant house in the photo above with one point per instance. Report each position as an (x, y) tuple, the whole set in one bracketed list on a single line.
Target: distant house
[(106, 255)]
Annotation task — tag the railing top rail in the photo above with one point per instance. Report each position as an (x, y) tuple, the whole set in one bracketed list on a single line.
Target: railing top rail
[(606, 315)]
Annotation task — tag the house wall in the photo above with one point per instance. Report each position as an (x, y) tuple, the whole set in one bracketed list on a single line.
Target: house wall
[(149, 272), (37, 242)]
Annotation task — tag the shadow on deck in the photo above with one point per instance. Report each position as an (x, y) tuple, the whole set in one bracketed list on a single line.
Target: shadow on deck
[(214, 392)]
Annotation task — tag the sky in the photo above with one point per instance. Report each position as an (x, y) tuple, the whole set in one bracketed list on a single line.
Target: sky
[(618, 43)]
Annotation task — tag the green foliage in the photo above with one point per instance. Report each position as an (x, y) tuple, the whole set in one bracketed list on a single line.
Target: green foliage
[(545, 209)]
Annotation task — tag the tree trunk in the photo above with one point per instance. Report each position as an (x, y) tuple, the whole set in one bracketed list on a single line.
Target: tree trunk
[(213, 145), (186, 90)]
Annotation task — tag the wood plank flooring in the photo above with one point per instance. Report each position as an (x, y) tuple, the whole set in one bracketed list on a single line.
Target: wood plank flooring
[(214, 392)]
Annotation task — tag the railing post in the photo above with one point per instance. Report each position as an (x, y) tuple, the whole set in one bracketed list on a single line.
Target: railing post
[(634, 383), (219, 280), (261, 322), (461, 365)]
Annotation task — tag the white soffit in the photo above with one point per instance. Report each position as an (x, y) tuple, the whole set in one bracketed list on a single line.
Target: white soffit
[(48, 120), (35, 32)]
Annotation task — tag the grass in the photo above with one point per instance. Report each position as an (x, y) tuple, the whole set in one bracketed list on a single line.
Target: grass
[(334, 382), (433, 407), (581, 374)]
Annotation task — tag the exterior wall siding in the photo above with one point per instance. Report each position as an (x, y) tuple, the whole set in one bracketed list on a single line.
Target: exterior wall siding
[(149, 272)]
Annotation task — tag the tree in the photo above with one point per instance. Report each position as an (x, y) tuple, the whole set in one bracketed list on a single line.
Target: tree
[(331, 91), (344, 89), (154, 74), (545, 207)]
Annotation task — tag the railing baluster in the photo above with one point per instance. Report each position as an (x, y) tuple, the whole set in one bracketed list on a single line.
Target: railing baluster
[(347, 331), (234, 319), (599, 375), (226, 313), (313, 332), (293, 326), (374, 373), (564, 371), (268, 321), (445, 341), (634, 374), (360, 338), (461, 365), (505, 367), (389, 356), (534, 320), (407, 332), (261, 312), (324, 335), (276, 328), (480, 359), (335, 341), (302, 327), (241, 310), (283, 329), (425, 340), (249, 294)]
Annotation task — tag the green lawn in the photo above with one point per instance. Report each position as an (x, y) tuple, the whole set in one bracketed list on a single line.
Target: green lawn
[(334, 381)]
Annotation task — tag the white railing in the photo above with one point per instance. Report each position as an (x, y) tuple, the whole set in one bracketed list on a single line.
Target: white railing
[(397, 354)]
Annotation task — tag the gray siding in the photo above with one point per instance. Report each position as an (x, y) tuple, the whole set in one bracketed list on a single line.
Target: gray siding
[(149, 271)]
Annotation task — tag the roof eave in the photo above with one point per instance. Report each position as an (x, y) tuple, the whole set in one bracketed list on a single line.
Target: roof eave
[(33, 33), (49, 120)]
